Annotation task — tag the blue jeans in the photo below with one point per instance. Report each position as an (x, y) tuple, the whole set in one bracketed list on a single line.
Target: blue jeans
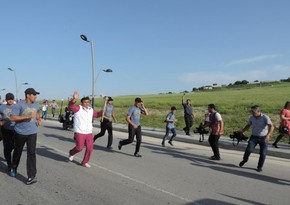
[(254, 140), (43, 115), (173, 130)]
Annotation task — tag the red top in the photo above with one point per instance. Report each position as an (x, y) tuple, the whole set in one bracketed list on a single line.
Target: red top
[(286, 123)]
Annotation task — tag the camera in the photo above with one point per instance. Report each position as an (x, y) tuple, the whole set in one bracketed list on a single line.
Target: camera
[(238, 136), (201, 130)]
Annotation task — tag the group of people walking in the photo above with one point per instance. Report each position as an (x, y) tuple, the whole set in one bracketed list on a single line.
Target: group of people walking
[(19, 125), (261, 125), (83, 127)]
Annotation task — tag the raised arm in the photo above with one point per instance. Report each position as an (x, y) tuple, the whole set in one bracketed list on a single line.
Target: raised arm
[(145, 112), (72, 105)]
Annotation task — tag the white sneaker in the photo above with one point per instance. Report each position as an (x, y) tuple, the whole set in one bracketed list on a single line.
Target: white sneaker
[(87, 165), (70, 158)]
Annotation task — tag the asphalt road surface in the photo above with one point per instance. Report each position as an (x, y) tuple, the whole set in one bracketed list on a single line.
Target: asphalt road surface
[(182, 174)]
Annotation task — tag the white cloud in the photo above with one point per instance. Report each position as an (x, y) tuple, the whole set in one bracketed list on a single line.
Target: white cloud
[(251, 60)]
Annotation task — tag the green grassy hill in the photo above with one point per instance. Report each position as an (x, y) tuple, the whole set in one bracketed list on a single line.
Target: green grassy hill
[(233, 104)]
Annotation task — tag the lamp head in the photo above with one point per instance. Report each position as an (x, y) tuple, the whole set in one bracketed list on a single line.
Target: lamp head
[(84, 37), (108, 70)]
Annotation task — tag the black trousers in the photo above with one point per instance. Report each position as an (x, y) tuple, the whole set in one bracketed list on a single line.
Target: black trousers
[(214, 143), (188, 123), (106, 125), (8, 144), (132, 133), (30, 141)]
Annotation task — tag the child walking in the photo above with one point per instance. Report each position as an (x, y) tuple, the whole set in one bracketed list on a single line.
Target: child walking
[(170, 120)]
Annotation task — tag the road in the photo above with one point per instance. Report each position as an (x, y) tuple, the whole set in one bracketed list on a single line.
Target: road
[(182, 174)]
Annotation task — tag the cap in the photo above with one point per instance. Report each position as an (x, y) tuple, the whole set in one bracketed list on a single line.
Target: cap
[(9, 96), (110, 99), (31, 91), (138, 100), (173, 108)]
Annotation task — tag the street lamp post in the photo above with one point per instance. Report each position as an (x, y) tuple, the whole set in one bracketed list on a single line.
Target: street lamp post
[(0, 95), (16, 86), (84, 37), (18, 89)]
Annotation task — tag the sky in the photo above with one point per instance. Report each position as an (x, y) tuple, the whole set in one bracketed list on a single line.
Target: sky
[(152, 46)]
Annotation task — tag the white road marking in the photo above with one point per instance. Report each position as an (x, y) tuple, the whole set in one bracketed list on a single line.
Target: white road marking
[(122, 175)]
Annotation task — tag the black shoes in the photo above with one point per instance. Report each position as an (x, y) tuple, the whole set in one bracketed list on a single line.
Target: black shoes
[(119, 146), (31, 180), (214, 158), (163, 145), (8, 169), (242, 163), (137, 155), (184, 129), (169, 142), (275, 145), (259, 169)]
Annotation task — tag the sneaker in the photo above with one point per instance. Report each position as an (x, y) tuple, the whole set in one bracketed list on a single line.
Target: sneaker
[(13, 173), (109, 147), (31, 180), (214, 158), (259, 169), (70, 157), (169, 142), (137, 155), (242, 163), (87, 165), (163, 145), (119, 146), (275, 145)]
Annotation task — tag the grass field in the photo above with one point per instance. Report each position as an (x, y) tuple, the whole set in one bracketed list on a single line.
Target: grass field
[(232, 103)]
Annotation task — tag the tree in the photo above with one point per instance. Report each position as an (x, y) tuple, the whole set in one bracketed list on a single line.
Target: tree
[(244, 82)]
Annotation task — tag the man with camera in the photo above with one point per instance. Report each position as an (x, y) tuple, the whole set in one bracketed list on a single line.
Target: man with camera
[(262, 129)]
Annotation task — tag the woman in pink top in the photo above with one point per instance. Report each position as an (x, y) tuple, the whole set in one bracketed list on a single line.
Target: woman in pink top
[(284, 129)]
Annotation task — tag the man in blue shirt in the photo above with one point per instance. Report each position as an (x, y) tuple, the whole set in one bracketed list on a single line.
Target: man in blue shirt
[(170, 120), (106, 122), (134, 127), (26, 114), (262, 129), (7, 128)]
